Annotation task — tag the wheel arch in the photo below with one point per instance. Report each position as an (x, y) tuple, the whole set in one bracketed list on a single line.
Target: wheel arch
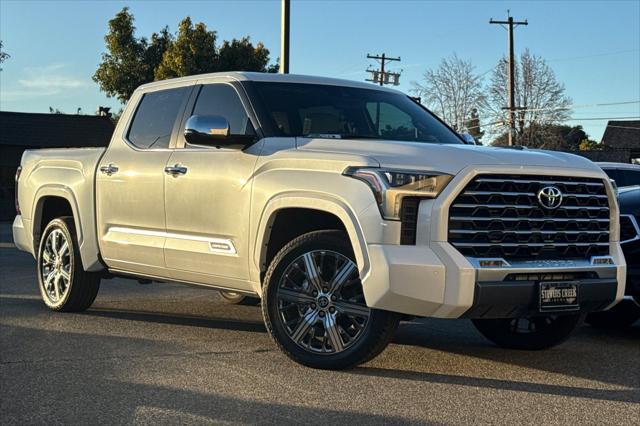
[(323, 210), (53, 201)]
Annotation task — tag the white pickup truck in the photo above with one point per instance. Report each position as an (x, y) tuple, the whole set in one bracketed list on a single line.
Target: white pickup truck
[(343, 206)]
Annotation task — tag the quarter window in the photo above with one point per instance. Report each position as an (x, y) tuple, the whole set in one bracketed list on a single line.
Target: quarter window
[(155, 117)]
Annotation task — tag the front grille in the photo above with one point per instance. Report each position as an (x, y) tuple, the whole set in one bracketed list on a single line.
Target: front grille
[(628, 230), (500, 216)]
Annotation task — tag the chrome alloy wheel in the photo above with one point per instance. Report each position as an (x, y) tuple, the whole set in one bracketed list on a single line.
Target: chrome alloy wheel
[(321, 303), (55, 266)]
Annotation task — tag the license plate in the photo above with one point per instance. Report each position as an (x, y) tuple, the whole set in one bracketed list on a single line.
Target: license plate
[(558, 296)]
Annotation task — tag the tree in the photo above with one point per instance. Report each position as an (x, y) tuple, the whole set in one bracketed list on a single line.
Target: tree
[(241, 55), (3, 55), (539, 96), (160, 43), (590, 145), (193, 52), (556, 137), (126, 65), (453, 91), (131, 61)]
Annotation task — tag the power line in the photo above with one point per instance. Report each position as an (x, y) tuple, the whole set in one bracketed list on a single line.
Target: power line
[(512, 95), (579, 106)]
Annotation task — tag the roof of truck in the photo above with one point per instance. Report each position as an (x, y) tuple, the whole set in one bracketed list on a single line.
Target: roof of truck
[(272, 77)]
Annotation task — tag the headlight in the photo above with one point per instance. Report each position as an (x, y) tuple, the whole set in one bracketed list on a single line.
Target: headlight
[(391, 186)]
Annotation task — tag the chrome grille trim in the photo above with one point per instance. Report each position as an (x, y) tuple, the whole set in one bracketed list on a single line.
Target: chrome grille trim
[(528, 219), (545, 182), (500, 216), (515, 206), (473, 231), (532, 194)]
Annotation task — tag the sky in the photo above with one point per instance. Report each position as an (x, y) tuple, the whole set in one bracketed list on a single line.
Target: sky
[(593, 46)]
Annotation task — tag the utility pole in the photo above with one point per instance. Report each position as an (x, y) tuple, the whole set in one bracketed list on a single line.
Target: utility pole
[(284, 37), (381, 76), (512, 83)]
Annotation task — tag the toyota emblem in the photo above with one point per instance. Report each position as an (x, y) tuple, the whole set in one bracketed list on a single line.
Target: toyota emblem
[(550, 197)]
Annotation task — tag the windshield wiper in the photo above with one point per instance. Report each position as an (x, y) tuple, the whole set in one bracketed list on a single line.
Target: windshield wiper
[(340, 136), (354, 136)]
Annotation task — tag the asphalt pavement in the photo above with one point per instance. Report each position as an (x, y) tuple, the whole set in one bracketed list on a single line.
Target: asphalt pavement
[(169, 354)]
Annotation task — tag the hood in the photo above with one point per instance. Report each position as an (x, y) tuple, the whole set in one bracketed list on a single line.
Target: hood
[(446, 158)]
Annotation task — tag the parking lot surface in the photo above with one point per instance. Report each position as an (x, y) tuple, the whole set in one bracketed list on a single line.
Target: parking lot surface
[(167, 354)]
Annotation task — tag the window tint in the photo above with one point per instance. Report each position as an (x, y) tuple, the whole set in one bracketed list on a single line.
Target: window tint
[(222, 99), (313, 110), (390, 122), (154, 118)]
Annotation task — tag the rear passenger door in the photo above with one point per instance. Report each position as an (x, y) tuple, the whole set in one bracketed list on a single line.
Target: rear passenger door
[(207, 206), (130, 183)]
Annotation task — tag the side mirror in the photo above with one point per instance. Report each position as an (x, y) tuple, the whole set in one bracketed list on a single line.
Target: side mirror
[(206, 130), (467, 138)]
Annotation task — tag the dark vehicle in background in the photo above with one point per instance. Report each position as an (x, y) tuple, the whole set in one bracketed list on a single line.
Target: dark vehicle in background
[(623, 174), (627, 178)]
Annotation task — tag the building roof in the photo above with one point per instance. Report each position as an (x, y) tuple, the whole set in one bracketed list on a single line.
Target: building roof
[(272, 77), (54, 130), (622, 134)]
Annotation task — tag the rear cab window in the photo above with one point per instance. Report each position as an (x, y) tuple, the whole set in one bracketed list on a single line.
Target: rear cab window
[(155, 117)]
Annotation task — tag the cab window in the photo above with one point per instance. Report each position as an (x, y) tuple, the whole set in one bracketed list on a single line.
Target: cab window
[(154, 119), (223, 100)]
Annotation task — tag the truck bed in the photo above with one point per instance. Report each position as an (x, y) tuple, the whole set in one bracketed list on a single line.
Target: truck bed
[(67, 173)]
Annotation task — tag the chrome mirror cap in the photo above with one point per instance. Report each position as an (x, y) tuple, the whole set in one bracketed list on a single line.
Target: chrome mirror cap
[(206, 129)]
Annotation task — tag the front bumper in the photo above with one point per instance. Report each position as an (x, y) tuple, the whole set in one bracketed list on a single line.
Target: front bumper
[(434, 279), (437, 281), (519, 299)]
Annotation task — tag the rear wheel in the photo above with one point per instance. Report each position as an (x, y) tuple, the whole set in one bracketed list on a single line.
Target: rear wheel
[(64, 284), (533, 333), (314, 306), (233, 298)]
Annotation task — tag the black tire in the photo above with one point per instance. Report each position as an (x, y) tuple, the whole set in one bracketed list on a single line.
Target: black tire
[(547, 331), (233, 298), (623, 315), (81, 287), (372, 339)]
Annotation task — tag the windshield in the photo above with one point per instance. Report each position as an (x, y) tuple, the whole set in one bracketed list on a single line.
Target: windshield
[(316, 110)]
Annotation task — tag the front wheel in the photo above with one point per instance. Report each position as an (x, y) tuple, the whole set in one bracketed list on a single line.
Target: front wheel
[(314, 308), (64, 284), (534, 333)]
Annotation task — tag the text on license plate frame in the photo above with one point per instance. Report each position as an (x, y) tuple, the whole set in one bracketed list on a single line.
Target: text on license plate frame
[(557, 296)]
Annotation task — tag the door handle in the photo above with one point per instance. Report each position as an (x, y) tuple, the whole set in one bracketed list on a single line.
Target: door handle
[(175, 170), (109, 169)]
